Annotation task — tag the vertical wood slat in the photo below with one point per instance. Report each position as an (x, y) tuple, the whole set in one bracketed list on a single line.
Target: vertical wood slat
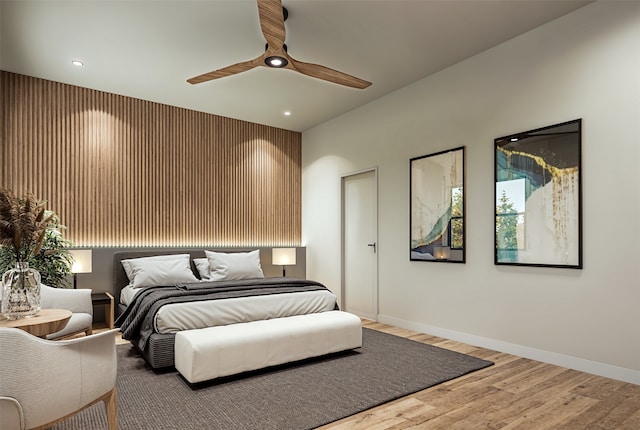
[(126, 172)]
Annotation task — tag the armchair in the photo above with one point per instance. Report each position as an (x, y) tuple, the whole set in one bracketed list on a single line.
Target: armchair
[(77, 301), (42, 382)]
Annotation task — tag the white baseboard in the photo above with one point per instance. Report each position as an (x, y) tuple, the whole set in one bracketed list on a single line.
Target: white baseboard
[(593, 367)]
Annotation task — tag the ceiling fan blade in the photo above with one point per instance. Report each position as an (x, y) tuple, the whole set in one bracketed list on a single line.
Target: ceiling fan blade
[(272, 22), (327, 74), (227, 71), (272, 17)]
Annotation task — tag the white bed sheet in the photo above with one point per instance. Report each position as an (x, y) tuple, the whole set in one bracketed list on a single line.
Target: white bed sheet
[(209, 313)]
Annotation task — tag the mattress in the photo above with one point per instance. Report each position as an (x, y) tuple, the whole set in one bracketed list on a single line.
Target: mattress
[(176, 317)]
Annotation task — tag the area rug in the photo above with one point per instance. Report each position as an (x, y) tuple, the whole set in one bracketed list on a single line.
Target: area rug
[(298, 396)]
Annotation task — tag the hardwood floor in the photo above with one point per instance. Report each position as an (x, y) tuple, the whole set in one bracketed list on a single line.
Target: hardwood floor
[(515, 393)]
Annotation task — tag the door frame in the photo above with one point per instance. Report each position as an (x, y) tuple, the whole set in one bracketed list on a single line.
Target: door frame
[(343, 179)]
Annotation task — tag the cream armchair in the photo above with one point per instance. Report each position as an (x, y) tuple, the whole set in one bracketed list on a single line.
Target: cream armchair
[(43, 382), (77, 301)]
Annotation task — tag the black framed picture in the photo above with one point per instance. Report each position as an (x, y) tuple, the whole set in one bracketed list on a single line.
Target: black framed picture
[(437, 207), (538, 201)]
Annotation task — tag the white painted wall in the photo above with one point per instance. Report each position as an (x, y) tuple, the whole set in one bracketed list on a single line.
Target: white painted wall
[(583, 65)]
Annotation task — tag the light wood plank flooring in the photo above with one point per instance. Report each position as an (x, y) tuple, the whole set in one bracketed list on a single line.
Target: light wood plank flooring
[(515, 393)]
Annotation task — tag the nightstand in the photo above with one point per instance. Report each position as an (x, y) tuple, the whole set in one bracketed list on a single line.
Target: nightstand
[(105, 299)]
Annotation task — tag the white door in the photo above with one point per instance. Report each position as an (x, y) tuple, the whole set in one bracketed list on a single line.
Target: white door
[(359, 238)]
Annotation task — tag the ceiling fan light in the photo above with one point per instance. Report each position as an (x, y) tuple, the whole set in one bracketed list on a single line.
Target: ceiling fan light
[(276, 61)]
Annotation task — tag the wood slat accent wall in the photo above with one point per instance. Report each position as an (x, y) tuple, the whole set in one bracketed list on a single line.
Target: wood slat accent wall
[(127, 172)]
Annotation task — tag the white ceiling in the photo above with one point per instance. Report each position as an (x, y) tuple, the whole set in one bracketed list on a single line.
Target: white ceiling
[(147, 49)]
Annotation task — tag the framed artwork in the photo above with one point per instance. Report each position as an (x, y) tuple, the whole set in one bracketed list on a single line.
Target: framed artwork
[(437, 207), (538, 202)]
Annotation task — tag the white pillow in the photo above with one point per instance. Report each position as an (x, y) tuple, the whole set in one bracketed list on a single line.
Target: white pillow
[(235, 265), (151, 273), (126, 264), (202, 264)]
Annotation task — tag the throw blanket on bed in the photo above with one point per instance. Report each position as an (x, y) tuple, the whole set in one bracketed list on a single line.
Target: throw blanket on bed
[(136, 322)]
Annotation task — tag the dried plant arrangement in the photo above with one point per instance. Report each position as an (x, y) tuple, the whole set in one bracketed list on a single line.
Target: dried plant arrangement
[(30, 233)]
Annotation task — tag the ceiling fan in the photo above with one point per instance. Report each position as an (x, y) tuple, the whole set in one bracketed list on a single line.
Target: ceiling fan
[(272, 17)]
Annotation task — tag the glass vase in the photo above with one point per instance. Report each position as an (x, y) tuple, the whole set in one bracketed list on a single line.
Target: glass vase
[(20, 292)]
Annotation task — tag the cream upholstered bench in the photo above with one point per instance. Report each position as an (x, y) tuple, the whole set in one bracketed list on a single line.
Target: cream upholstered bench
[(211, 352)]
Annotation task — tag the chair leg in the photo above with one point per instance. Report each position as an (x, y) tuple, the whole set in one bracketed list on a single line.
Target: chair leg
[(111, 404)]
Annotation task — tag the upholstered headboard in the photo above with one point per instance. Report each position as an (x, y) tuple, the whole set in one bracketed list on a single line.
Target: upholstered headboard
[(120, 279)]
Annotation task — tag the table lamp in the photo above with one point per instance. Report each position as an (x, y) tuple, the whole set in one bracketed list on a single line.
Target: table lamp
[(82, 259), (283, 257)]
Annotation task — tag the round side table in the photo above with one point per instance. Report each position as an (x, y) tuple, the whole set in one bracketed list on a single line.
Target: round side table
[(47, 321)]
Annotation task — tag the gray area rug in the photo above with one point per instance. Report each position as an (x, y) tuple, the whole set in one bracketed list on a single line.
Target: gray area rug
[(297, 396)]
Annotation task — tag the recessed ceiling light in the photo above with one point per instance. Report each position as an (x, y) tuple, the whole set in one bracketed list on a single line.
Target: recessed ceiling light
[(286, 113), (77, 63)]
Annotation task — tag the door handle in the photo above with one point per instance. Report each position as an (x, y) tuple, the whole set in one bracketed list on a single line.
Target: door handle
[(374, 246)]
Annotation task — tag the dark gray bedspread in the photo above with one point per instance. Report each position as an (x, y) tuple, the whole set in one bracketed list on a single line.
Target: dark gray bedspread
[(136, 322)]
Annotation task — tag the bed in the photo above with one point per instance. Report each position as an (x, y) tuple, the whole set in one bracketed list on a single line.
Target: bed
[(151, 310)]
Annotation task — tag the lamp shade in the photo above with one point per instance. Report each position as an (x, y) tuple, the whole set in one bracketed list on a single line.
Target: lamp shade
[(283, 256), (82, 259)]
